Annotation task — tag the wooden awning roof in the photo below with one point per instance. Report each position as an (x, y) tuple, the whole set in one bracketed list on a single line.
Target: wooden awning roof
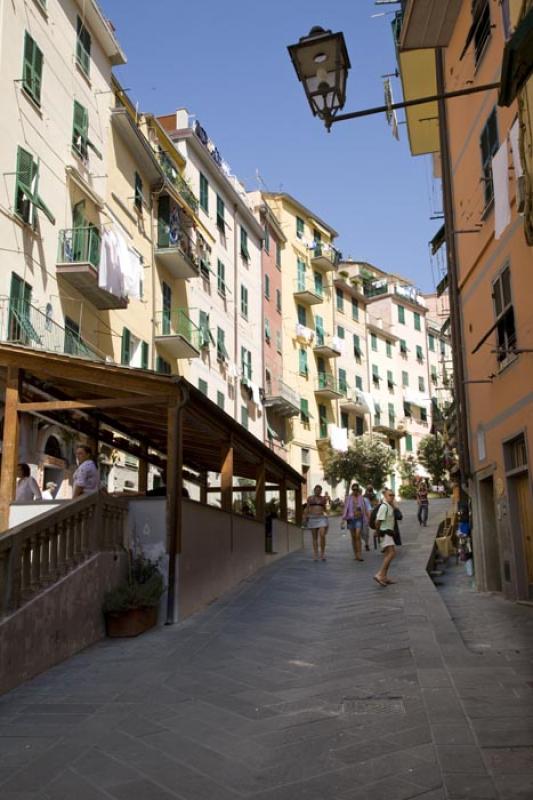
[(76, 392)]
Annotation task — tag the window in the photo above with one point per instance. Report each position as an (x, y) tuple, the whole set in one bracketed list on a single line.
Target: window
[(419, 353), (375, 375), (323, 421), (278, 342), (221, 211), (423, 415), (302, 362), (377, 414), (204, 193), (340, 300), (300, 227), (343, 385), (244, 245), (434, 376), (202, 385), (319, 330), (480, 27), (80, 132), (267, 331), (166, 310), (319, 284), (388, 346), (405, 379), (145, 354), (246, 363), (390, 379), (345, 420), (407, 410), (401, 314), (358, 382), (442, 347), (421, 384), (205, 333), (304, 410), (83, 48), (504, 312), (359, 426), (162, 366), (374, 342), (244, 302), (138, 193), (267, 287), (357, 347), (408, 443), (355, 310), (392, 415), (489, 146), (221, 278), (32, 69), (222, 353), (26, 183), (266, 238), (403, 347), (244, 417), (220, 399), (416, 317), (302, 315), (431, 340), (125, 355), (278, 255), (278, 301), (340, 332)]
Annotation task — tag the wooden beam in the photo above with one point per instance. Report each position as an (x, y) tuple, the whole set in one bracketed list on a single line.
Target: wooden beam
[(174, 481), (283, 500), (298, 511), (226, 476), (142, 478), (10, 446), (260, 483), (72, 405), (203, 487)]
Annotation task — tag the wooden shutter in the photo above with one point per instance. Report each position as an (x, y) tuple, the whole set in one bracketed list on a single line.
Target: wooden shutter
[(126, 347), (163, 221), (144, 355)]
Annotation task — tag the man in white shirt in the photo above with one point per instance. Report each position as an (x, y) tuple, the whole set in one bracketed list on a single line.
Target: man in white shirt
[(385, 521), (86, 477)]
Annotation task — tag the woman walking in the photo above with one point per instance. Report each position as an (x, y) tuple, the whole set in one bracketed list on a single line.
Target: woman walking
[(423, 504), (355, 515), (316, 519)]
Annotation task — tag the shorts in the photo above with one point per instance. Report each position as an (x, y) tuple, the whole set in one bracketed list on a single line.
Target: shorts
[(317, 522), (355, 524), (386, 541)]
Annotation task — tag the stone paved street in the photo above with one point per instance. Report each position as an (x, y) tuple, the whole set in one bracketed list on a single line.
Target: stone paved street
[(310, 682)]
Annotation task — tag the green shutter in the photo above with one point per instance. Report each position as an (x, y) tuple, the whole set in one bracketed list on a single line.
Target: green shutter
[(319, 330), (389, 348), (302, 315), (300, 228), (416, 316), (162, 366), (401, 314), (126, 347), (356, 346), (244, 417), (202, 385), (278, 255), (343, 385), (431, 339), (300, 266), (221, 222), (267, 330), (83, 48), (358, 382), (355, 309), (220, 400), (144, 355), (221, 278), (244, 245), (267, 287), (244, 301), (80, 129), (341, 333), (204, 193), (405, 378), (163, 221), (32, 68), (138, 195), (408, 443), (319, 284), (267, 238), (374, 342), (302, 362)]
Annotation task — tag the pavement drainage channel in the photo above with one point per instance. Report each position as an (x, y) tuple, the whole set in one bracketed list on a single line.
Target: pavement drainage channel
[(349, 706)]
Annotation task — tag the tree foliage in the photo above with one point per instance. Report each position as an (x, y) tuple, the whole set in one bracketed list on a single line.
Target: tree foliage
[(369, 459), (407, 469), (432, 456)]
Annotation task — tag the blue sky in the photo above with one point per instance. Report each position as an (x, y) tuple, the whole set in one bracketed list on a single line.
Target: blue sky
[(228, 64)]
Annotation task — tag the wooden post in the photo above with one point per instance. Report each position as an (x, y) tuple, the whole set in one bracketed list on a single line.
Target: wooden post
[(203, 488), (298, 502), (174, 490), (142, 478), (260, 481), (283, 500), (226, 476), (10, 446)]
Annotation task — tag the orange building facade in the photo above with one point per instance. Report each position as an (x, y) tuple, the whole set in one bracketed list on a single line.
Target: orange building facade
[(494, 271)]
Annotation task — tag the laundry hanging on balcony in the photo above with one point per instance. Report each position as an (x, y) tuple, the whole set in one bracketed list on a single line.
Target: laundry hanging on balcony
[(120, 269), (500, 179), (338, 438)]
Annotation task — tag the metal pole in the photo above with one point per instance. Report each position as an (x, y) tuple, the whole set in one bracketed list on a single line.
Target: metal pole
[(451, 255)]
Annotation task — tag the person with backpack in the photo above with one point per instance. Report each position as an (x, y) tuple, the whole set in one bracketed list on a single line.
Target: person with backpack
[(384, 521), (354, 516)]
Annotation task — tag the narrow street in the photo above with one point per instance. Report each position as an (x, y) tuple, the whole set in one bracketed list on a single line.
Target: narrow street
[(309, 681)]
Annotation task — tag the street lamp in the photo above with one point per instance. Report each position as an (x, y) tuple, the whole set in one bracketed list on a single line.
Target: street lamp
[(321, 62)]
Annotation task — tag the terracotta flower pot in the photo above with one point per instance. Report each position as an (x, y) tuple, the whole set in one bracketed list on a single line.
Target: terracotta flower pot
[(131, 622)]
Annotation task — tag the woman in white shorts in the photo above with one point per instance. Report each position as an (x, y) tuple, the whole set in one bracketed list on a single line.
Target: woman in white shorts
[(316, 519)]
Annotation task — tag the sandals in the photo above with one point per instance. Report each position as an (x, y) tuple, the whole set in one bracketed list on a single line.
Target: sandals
[(378, 580)]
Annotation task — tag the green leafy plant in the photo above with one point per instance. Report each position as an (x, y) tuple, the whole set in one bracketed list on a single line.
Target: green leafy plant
[(408, 492), (433, 456), (143, 588), (407, 469), (369, 459)]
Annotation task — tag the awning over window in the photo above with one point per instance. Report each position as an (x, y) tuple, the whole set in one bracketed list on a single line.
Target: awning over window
[(517, 64), (438, 240), (442, 286)]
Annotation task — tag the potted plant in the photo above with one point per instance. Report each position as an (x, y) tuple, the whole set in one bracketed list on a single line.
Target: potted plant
[(131, 608)]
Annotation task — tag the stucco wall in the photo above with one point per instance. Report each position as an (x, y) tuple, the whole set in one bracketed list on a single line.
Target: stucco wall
[(72, 611)]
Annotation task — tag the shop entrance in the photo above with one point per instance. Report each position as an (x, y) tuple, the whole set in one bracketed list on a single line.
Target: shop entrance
[(491, 545)]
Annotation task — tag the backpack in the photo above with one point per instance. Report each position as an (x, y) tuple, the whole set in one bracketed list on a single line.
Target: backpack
[(373, 515)]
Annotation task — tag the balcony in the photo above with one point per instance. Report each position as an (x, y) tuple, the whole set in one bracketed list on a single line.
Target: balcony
[(327, 346), (177, 180), (355, 402), (282, 399), (175, 251), (177, 334), (325, 257), (328, 387), (28, 326), (78, 262), (389, 428), (307, 291), (375, 288)]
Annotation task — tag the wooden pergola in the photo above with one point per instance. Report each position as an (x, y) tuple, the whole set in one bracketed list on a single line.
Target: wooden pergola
[(160, 419)]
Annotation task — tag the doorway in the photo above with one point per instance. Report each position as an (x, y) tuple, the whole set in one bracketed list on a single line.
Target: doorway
[(525, 520), (491, 544)]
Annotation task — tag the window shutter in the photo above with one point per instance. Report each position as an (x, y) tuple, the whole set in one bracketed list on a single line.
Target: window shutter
[(32, 68), (126, 347), (163, 221), (144, 355)]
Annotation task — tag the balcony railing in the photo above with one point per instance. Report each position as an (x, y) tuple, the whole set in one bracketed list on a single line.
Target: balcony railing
[(328, 383), (330, 254), (178, 333), (29, 326), (177, 180), (375, 289), (308, 290), (79, 246), (280, 396)]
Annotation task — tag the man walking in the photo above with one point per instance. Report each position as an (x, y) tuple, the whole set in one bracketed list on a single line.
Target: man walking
[(385, 523)]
